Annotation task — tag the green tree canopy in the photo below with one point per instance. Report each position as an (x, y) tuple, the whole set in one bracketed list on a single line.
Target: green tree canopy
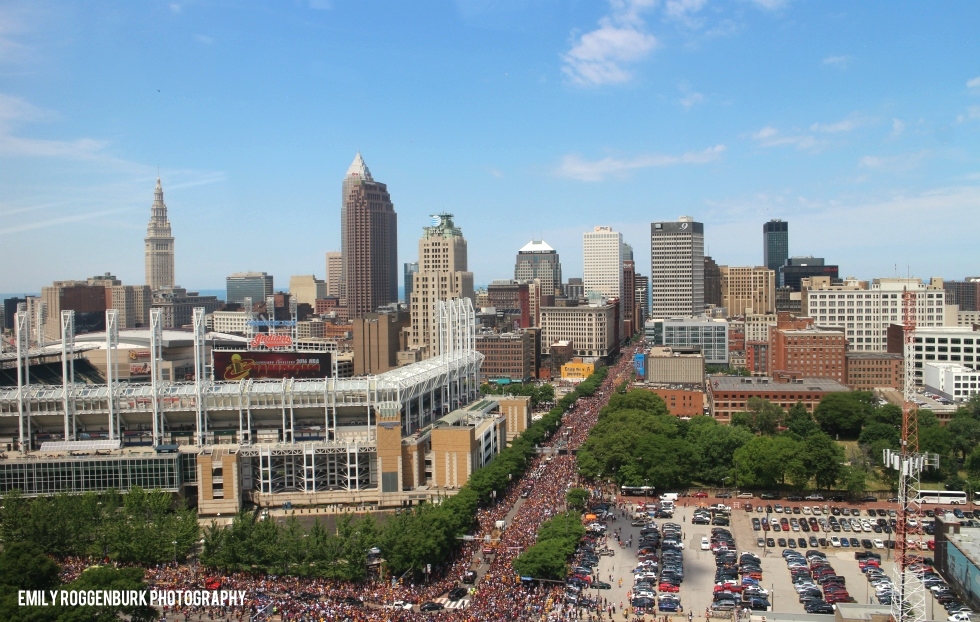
[(844, 413)]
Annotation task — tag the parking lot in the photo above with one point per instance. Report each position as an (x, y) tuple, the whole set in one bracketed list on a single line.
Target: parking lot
[(697, 588)]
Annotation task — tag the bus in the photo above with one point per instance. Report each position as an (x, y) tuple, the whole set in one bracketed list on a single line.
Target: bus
[(943, 497)]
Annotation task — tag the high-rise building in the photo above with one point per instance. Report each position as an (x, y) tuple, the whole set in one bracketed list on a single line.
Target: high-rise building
[(537, 260), (627, 252), (865, 313), (712, 282), (795, 269), (177, 305), (748, 290), (307, 289), (642, 299), (627, 305), (158, 245), (775, 243), (377, 340), (369, 237), (411, 267), (677, 268), (574, 289), (334, 271), (799, 349), (255, 285), (708, 334), (87, 300), (591, 330), (602, 253), (442, 275), (964, 293)]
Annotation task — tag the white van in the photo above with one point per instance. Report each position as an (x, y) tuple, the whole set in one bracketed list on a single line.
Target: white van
[(669, 497)]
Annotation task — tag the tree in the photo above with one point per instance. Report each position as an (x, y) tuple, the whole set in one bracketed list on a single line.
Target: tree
[(844, 413), (889, 414), (875, 432), (965, 431), (715, 447), (545, 560), (855, 478), (577, 498), (799, 421), (824, 459), (766, 416), (23, 565), (972, 463), (763, 461)]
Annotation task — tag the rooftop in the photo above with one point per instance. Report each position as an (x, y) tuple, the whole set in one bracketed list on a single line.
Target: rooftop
[(874, 356), (736, 383), (359, 169), (537, 246)]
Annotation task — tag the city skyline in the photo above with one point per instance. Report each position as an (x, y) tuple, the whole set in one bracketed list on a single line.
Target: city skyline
[(505, 114)]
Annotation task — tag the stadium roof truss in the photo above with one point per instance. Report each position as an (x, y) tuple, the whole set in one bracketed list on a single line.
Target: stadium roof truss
[(455, 375)]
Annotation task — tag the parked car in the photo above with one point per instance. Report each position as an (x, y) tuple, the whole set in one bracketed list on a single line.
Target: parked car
[(431, 606)]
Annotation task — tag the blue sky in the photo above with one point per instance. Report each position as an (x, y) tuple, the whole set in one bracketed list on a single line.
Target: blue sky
[(859, 123)]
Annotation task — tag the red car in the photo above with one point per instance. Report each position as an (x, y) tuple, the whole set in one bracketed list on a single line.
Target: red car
[(669, 587), (700, 494)]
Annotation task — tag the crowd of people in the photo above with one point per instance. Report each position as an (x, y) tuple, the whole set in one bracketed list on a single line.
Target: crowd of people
[(500, 595)]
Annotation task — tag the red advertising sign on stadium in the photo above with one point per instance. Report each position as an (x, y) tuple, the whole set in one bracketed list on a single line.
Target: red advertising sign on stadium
[(271, 341), (264, 364)]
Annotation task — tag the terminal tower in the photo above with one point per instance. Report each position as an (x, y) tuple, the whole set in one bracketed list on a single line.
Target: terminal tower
[(159, 245)]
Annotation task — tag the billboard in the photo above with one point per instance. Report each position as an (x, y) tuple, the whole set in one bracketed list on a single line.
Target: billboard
[(263, 364), (639, 363)]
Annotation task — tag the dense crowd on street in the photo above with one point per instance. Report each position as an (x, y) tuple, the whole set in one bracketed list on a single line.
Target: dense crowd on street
[(499, 596)]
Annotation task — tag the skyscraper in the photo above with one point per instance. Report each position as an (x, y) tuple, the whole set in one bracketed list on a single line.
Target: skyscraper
[(369, 237), (602, 252), (676, 268), (775, 244), (442, 275), (158, 246), (334, 271), (409, 270), (537, 260), (255, 285)]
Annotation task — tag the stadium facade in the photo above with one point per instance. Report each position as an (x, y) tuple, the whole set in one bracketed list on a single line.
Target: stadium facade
[(410, 434)]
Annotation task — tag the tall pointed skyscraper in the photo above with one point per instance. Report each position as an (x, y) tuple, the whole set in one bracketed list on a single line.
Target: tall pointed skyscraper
[(159, 245), (369, 242)]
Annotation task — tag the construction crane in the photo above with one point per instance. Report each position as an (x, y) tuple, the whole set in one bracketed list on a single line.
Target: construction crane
[(909, 604)]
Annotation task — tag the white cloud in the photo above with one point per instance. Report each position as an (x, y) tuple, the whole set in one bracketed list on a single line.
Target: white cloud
[(691, 99), (898, 127), (206, 40), (972, 112), (601, 56), (770, 5), (839, 127), (175, 8), (684, 11), (574, 167), (321, 5), (973, 83), (837, 61), (53, 222), (901, 163), (15, 109), (771, 137)]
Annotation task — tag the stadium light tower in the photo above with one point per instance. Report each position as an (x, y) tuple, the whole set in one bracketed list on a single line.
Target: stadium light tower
[(910, 603)]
